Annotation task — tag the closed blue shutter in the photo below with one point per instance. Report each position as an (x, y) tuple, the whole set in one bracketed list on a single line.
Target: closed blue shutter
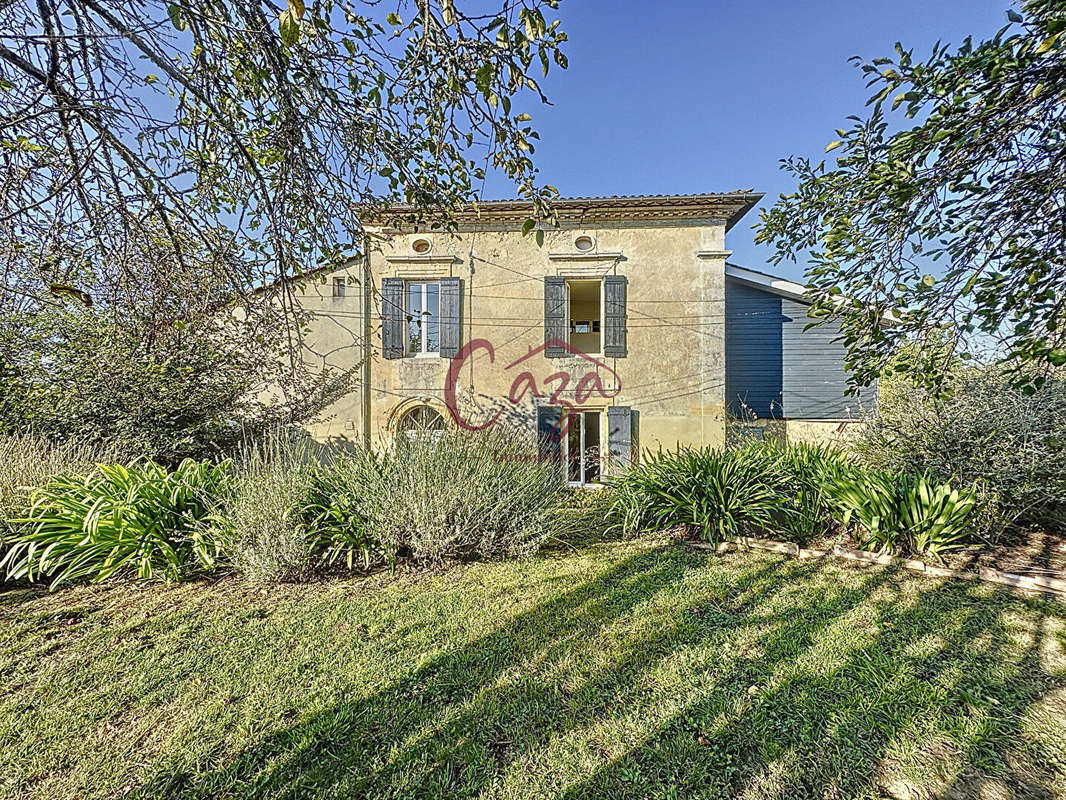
[(451, 300)]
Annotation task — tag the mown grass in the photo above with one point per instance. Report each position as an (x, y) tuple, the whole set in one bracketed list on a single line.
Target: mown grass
[(634, 669)]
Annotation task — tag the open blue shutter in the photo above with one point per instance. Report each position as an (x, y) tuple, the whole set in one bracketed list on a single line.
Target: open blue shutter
[(614, 316), (621, 436), (392, 317), (451, 301), (555, 323), (549, 439)]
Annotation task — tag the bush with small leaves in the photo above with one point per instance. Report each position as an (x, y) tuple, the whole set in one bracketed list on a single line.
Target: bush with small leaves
[(987, 433), (461, 495), (263, 527)]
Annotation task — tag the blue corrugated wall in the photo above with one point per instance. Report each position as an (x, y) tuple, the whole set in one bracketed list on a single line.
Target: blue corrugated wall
[(776, 368)]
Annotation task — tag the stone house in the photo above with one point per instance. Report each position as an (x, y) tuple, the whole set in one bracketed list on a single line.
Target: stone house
[(626, 329)]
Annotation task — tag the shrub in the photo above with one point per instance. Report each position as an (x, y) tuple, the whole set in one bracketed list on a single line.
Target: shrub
[(465, 495), (263, 529), (988, 433), (715, 491), (803, 475), (870, 499), (901, 511), (157, 365), (339, 510), (28, 461), (139, 518), (447, 496), (803, 489), (937, 517)]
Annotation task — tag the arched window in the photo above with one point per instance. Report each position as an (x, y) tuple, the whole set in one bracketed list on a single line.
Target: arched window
[(421, 422)]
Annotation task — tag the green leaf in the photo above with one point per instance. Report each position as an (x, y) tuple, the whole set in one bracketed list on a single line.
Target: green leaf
[(393, 18), (1047, 44), (176, 19), (1014, 16), (833, 145), (289, 28), (297, 7), (483, 78)]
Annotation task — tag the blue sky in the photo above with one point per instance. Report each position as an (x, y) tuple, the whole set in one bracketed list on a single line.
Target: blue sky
[(682, 96)]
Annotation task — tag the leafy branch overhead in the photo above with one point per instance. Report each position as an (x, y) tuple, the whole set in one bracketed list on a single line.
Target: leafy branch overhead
[(944, 211), (264, 130)]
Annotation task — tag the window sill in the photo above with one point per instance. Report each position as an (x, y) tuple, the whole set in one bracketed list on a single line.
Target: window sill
[(579, 356)]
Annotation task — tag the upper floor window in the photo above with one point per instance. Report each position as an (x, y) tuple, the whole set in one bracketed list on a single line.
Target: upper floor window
[(421, 316), (584, 315), (422, 312), (340, 287)]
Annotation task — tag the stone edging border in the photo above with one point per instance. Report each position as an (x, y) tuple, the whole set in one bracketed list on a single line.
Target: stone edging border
[(1030, 582)]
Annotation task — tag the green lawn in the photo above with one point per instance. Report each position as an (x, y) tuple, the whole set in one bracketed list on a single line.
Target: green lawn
[(634, 669)]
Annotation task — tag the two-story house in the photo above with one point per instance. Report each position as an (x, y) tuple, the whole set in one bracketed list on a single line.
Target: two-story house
[(626, 328)]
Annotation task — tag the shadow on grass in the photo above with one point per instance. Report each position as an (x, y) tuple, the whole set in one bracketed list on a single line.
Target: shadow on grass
[(787, 715), (817, 733)]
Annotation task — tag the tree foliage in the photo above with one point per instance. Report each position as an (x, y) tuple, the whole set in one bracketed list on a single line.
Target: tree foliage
[(155, 366), (944, 213), (987, 432), (163, 160), (280, 127)]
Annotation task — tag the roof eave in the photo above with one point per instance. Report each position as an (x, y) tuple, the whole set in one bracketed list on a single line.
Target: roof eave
[(769, 283), (782, 287), (729, 206)]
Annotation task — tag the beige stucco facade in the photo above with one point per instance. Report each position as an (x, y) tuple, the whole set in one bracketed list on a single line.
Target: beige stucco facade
[(836, 432), (672, 252)]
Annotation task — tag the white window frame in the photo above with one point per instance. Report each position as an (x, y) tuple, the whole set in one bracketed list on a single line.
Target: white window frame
[(577, 417), (423, 338), (570, 319), (422, 433)]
